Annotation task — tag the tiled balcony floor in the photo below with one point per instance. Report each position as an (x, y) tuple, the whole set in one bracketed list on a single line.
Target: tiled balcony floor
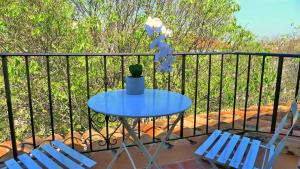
[(179, 157)]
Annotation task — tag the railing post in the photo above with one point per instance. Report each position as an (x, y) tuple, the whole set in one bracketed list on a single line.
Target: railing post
[(277, 93), (70, 100), (88, 97), (196, 94), (9, 106), (30, 101), (260, 91), (182, 90), (208, 94), (50, 96), (235, 89), (247, 92)]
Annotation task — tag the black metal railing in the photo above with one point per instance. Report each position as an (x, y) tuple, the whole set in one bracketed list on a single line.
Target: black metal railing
[(195, 57)]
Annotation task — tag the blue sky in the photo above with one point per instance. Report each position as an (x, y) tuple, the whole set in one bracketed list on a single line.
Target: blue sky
[(269, 18)]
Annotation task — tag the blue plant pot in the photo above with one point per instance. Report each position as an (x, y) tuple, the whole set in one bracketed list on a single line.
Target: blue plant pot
[(135, 85)]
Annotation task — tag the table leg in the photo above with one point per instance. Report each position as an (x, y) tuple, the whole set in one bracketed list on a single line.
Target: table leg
[(137, 141), (122, 148), (163, 141), (151, 159)]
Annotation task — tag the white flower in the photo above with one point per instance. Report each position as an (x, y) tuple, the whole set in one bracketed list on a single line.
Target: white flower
[(154, 22), (167, 33), (161, 29), (165, 51), (156, 41)]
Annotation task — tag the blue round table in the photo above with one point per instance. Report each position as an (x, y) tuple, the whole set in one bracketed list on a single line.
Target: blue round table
[(153, 103)]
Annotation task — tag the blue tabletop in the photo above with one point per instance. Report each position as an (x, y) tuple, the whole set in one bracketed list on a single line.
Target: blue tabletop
[(152, 103)]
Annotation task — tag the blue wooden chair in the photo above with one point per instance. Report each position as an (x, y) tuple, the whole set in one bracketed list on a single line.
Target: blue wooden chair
[(55, 156), (231, 150)]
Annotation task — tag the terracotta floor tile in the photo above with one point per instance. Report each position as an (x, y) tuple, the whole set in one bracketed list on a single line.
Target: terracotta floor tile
[(195, 164), (181, 156)]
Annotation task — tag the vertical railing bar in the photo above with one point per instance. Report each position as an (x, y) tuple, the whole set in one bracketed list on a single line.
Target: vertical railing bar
[(9, 106), (88, 97), (50, 97), (235, 88), (122, 78), (277, 93), (107, 132), (106, 116), (153, 129), (122, 71), (169, 89), (260, 91), (196, 94), (105, 74), (221, 87), (247, 92), (182, 90), (139, 120), (154, 87), (296, 94), (30, 101), (154, 73), (139, 59), (70, 100), (208, 93)]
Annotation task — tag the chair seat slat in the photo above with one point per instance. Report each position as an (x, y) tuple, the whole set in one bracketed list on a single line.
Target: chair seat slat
[(61, 158), (28, 162), (208, 142), (252, 154), (217, 146), (74, 154), (12, 164), (44, 159), (239, 154), (228, 149)]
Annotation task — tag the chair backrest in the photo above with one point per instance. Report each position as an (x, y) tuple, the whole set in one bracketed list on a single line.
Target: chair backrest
[(281, 144)]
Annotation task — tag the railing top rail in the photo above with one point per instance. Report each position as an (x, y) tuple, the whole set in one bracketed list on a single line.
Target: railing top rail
[(149, 54)]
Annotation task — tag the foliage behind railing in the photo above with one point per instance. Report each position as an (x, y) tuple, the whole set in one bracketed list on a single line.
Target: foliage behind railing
[(49, 92)]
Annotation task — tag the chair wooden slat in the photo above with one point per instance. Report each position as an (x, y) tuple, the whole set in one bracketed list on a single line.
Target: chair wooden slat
[(61, 158), (28, 162), (12, 164), (74, 154), (228, 149), (217, 146), (252, 153), (239, 154), (44, 159), (208, 142)]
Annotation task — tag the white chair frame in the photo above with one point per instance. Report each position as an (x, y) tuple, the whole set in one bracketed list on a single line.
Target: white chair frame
[(210, 149)]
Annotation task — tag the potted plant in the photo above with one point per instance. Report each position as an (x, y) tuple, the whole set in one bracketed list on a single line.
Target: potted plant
[(135, 84)]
